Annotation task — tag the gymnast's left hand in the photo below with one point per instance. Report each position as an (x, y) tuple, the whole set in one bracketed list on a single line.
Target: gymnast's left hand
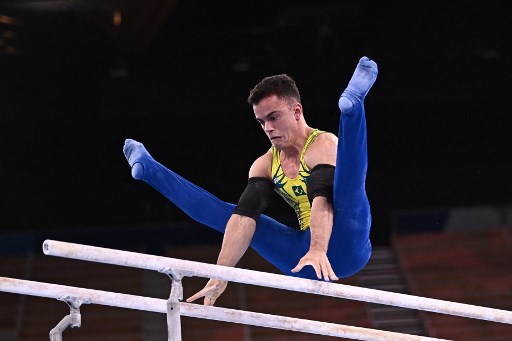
[(319, 261)]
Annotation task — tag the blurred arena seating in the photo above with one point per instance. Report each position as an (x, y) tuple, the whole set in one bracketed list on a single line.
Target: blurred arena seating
[(468, 267)]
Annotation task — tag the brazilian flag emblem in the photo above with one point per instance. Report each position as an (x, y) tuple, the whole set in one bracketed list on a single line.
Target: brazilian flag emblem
[(298, 191)]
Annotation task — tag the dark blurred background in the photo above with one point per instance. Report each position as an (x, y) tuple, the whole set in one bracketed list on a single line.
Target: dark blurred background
[(78, 77)]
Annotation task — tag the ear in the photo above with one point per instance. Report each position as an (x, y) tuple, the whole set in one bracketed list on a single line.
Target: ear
[(297, 111)]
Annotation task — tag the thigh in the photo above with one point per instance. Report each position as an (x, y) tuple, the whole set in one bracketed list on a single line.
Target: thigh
[(349, 246), (281, 245)]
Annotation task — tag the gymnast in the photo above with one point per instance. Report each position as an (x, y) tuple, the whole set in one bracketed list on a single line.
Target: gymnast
[(321, 177)]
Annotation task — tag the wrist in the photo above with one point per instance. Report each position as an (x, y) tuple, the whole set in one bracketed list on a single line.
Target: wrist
[(318, 248), (226, 261)]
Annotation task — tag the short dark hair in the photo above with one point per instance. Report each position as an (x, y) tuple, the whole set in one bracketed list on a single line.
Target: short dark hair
[(283, 86)]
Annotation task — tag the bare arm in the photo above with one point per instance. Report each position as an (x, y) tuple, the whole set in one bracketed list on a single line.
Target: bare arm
[(237, 237), (321, 228), (322, 151), (240, 229)]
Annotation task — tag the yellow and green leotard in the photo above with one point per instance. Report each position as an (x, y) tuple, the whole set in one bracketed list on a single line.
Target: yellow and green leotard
[(294, 191)]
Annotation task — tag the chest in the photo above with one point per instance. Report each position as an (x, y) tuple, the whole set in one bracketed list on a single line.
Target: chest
[(290, 180), (290, 167)]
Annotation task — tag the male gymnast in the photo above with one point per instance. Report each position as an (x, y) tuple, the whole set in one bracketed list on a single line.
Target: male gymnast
[(321, 177)]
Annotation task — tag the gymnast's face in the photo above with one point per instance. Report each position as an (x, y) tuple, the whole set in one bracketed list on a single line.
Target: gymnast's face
[(279, 118)]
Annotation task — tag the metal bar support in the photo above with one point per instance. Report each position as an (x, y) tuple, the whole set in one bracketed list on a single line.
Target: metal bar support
[(173, 303), (73, 320)]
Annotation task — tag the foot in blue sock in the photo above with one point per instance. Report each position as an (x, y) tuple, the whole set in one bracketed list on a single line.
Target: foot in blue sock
[(362, 80), (134, 151)]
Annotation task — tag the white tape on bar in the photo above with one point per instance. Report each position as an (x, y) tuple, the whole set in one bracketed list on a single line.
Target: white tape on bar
[(151, 262), (113, 299)]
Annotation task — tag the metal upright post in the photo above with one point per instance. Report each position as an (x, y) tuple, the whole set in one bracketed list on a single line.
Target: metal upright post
[(73, 320), (173, 303)]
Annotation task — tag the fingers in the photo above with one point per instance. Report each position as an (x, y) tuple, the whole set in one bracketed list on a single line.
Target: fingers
[(318, 270), (303, 263), (298, 267), (195, 296), (323, 269), (208, 300), (328, 272), (210, 292)]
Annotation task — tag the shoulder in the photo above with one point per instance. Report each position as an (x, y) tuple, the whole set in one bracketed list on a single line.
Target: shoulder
[(323, 150), (325, 139), (262, 165)]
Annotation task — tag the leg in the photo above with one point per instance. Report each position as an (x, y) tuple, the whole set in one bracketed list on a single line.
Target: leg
[(349, 247), (199, 204), (282, 246), (279, 244)]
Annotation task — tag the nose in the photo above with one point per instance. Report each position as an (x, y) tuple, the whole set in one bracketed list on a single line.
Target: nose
[(268, 127)]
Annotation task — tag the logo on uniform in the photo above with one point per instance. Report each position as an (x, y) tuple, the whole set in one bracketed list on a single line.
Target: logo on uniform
[(298, 190)]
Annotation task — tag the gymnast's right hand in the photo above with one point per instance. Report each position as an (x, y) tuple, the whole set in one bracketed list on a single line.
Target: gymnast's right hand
[(213, 289), (134, 151)]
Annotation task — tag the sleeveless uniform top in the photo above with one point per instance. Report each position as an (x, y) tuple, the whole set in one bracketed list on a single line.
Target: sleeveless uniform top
[(293, 191)]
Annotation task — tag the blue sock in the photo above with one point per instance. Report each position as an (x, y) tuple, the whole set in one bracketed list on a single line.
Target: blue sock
[(362, 80), (134, 151)]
